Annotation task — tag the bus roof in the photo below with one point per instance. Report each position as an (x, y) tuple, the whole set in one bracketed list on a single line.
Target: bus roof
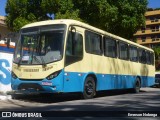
[(81, 24)]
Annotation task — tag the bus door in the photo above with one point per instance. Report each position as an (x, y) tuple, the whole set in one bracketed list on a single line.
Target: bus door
[(73, 60)]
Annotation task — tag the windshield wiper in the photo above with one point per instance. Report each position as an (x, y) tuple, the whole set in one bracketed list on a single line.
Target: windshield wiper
[(35, 57), (19, 61), (43, 62)]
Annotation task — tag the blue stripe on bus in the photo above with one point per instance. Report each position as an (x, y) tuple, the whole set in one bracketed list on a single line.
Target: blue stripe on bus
[(74, 82), (5, 49), (121, 81), (105, 82)]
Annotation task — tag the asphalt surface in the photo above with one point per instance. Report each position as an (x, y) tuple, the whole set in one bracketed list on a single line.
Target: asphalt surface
[(110, 104)]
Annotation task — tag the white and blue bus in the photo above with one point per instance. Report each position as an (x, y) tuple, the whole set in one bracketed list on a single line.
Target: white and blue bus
[(62, 56)]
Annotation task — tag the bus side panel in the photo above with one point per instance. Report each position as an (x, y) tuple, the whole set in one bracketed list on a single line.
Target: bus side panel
[(109, 82), (104, 82), (73, 82), (147, 81)]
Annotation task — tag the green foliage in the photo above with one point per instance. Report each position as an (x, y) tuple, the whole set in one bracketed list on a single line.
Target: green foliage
[(67, 11), (120, 17), (22, 12), (157, 52), (157, 58), (157, 9), (68, 15), (19, 22)]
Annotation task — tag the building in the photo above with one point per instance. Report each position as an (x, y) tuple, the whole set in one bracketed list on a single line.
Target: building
[(150, 34), (3, 28)]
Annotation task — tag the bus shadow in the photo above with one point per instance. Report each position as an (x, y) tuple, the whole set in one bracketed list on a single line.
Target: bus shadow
[(49, 98), (115, 92), (56, 98)]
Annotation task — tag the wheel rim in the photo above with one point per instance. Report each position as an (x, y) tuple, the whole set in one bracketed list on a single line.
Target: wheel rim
[(89, 88)]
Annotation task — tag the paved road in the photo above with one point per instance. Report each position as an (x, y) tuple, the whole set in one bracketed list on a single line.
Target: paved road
[(116, 102)]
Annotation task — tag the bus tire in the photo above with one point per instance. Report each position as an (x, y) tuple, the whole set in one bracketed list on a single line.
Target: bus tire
[(15, 96), (137, 86), (89, 88)]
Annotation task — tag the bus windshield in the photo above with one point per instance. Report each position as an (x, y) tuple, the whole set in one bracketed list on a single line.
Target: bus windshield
[(40, 45)]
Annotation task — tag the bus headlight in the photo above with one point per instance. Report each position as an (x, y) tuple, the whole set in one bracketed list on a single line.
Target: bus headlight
[(13, 75), (53, 75)]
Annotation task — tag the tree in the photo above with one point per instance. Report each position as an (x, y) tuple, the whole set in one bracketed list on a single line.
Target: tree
[(157, 58), (67, 11), (120, 17), (22, 12), (157, 52), (157, 9)]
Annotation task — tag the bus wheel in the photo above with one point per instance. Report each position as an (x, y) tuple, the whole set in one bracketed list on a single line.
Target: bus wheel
[(89, 88), (137, 86), (15, 96)]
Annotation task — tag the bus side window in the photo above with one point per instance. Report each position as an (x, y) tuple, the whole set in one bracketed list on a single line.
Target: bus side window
[(148, 58), (93, 43), (142, 56), (110, 47), (76, 54), (123, 51), (133, 53)]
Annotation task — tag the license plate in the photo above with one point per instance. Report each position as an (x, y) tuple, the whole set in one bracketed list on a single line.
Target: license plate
[(47, 83)]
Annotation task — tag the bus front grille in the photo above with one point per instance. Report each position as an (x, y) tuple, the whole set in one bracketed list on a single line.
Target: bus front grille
[(31, 79), (29, 86)]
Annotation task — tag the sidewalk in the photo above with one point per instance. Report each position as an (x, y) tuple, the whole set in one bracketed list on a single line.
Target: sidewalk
[(4, 96)]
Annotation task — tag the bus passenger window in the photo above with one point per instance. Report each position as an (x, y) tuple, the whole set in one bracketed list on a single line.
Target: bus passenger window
[(123, 51), (93, 43), (148, 58), (133, 53), (110, 47), (142, 56)]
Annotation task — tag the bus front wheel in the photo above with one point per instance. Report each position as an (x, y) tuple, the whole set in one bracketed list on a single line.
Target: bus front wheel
[(137, 86), (89, 88)]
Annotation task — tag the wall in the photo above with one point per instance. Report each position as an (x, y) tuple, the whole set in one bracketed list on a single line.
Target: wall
[(5, 71)]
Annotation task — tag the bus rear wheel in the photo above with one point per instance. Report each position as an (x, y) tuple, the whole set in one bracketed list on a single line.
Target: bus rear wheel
[(137, 86), (89, 88)]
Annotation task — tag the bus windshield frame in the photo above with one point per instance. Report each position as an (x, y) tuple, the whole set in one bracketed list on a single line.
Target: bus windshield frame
[(40, 45)]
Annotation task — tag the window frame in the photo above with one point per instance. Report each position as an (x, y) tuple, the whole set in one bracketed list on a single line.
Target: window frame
[(140, 57), (148, 60), (101, 43), (72, 58), (106, 38), (130, 54), (121, 42)]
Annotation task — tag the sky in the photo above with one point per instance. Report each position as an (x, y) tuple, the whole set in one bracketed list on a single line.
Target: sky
[(152, 4)]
